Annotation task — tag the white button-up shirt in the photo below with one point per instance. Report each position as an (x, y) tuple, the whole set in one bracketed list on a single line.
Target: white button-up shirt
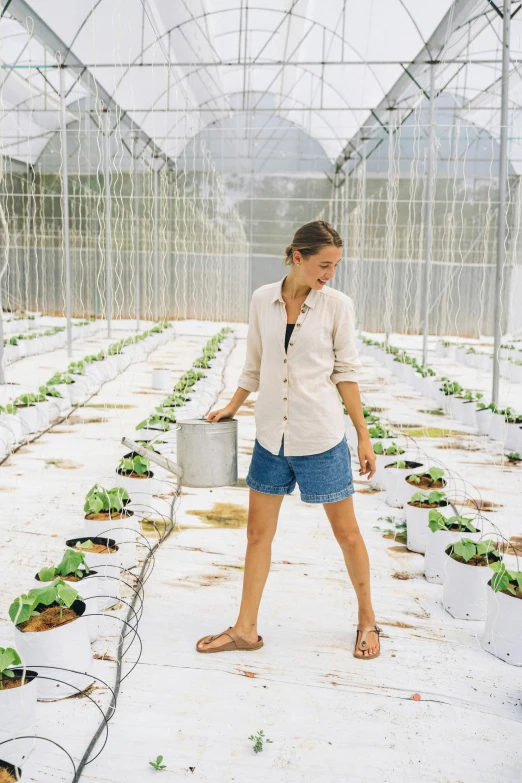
[(298, 398)]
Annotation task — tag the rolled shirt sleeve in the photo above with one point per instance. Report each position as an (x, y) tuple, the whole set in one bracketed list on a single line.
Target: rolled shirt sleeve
[(249, 378), (347, 364)]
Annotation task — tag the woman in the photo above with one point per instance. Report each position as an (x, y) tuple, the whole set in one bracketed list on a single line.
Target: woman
[(301, 356)]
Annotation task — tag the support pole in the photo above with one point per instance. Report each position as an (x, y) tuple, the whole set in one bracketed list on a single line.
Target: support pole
[(107, 178), (137, 265), (155, 258), (502, 196), (389, 236), (362, 212), (428, 220), (65, 210), (2, 375)]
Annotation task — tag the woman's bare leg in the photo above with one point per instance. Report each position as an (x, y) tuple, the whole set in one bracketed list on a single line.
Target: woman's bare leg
[(263, 513), (346, 530)]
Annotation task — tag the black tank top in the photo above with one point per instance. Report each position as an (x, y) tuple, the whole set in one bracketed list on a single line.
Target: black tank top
[(289, 330)]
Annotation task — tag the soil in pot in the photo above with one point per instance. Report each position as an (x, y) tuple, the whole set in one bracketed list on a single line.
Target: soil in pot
[(106, 516), (16, 682), (407, 466), (48, 619), (97, 549), (418, 504), (426, 482), (477, 560), (149, 474)]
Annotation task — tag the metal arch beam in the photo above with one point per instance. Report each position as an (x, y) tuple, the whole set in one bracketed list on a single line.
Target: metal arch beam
[(455, 18), (20, 10)]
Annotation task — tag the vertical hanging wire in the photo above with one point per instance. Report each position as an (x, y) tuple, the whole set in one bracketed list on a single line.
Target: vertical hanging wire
[(108, 243), (388, 290), (65, 209), (430, 175), (136, 230)]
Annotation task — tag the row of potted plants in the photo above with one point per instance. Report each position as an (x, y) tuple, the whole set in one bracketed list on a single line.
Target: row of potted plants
[(467, 406), (33, 412), (19, 346), (476, 582), (510, 360), (57, 619)]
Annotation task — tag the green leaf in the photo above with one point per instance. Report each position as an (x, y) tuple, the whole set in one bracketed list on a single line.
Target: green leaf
[(67, 594), (465, 549), (436, 496), (21, 609), (437, 521), (84, 544), (71, 562), (47, 574), (378, 448), (435, 474), (8, 657)]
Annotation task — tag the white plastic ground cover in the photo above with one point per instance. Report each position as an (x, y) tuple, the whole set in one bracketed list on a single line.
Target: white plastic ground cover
[(20, 345), (304, 688), (316, 693), (29, 422), (53, 516)]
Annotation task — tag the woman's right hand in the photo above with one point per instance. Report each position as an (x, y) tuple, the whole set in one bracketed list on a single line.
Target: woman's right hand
[(228, 412)]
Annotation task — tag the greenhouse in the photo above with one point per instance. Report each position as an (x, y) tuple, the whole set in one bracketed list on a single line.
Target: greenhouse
[(249, 249)]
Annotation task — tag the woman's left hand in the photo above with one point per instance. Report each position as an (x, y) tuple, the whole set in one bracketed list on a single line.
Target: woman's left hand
[(366, 453)]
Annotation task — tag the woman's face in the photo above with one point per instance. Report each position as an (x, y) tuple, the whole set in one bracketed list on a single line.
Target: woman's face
[(316, 271)]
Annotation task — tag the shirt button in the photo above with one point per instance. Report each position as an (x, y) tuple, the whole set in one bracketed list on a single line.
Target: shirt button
[(285, 418), (285, 398), (285, 380), (290, 344), (297, 325), (303, 309), (285, 359)]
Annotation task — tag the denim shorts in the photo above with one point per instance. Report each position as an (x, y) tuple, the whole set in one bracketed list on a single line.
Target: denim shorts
[(322, 478)]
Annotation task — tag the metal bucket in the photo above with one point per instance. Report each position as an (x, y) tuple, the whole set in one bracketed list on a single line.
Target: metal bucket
[(207, 452)]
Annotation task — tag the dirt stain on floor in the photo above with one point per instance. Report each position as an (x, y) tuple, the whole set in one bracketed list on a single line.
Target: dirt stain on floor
[(402, 575), (113, 405), (63, 464), (459, 445), (430, 432), (403, 549), (480, 505), (229, 515)]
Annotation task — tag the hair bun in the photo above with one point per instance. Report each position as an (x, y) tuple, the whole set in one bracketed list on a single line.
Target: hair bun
[(288, 251)]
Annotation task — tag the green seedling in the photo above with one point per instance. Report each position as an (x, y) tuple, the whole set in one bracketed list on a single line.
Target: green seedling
[(157, 765), (258, 740), (84, 544), (49, 391), (514, 456), (466, 548), (437, 521), (155, 422), (60, 378), (503, 579), (58, 592), (72, 564), (99, 499), (400, 463), (8, 657), (136, 464), (428, 497)]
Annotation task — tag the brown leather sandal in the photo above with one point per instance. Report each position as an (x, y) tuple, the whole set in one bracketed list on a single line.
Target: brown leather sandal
[(364, 629), (236, 643)]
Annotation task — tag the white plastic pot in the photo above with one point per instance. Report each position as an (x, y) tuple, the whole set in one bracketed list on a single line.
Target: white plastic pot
[(140, 486), (406, 490), (122, 530), (468, 411), (394, 479), (483, 418), (417, 529), (45, 412), (66, 647), (464, 589), (435, 554), (513, 440), (497, 429), (18, 711), (161, 379), (87, 589), (15, 427), (502, 634), (30, 419), (108, 570)]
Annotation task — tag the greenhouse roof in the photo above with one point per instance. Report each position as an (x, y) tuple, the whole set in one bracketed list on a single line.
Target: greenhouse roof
[(170, 69)]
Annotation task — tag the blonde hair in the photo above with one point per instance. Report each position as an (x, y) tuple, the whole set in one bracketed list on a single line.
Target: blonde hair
[(311, 238)]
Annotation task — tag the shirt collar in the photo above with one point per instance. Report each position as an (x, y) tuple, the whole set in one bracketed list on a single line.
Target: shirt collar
[(310, 301)]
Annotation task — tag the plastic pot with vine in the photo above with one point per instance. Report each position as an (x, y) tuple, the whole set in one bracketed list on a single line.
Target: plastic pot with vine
[(465, 577), (74, 570), (426, 480), (136, 477), (383, 454), (52, 638), (502, 634), (394, 473), (17, 706), (443, 531), (418, 510), (108, 514)]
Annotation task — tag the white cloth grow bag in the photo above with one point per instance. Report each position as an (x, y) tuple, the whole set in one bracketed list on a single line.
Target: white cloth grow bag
[(67, 647), (123, 530), (502, 635), (435, 554), (88, 591), (464, 589), (108, 568), (394, 479), (417, 529), (18, 710)]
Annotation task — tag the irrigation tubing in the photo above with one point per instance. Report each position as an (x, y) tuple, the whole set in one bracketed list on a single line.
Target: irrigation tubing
[(119, 658)]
